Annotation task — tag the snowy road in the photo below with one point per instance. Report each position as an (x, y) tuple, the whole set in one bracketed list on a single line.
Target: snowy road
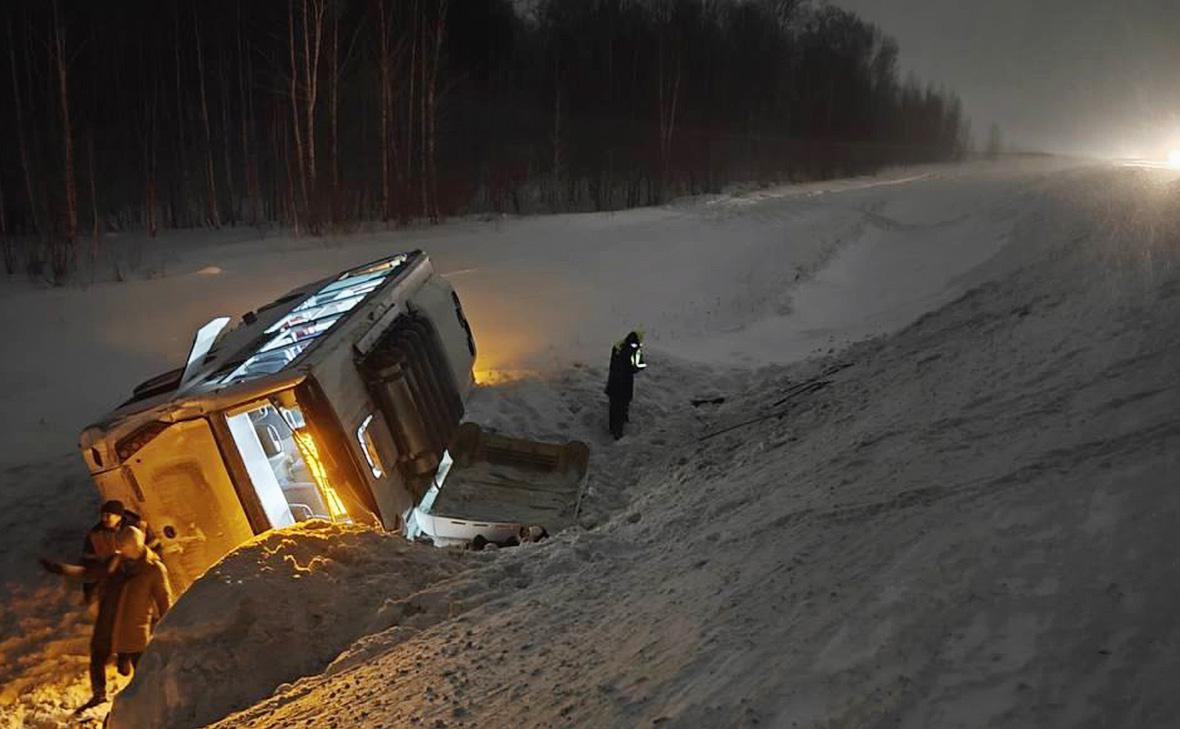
[(960, 529)]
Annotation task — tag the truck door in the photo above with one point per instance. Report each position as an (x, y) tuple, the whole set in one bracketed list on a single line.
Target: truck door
[(376, 442), (411, 382), (181, 486)]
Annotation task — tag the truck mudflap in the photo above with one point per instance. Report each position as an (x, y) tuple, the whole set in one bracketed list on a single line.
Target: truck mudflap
[(492, 485)]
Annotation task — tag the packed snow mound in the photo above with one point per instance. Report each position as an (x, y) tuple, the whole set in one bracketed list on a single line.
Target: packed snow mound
[(278, 608), (970, 523)]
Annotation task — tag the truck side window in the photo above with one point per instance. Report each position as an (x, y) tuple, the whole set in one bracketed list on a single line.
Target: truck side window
[(369, 448)]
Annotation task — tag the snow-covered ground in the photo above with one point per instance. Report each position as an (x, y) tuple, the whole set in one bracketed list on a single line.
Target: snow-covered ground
[(966, 522)]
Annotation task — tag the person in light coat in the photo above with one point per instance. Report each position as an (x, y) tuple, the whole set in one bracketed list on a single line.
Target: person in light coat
[(146, 596)]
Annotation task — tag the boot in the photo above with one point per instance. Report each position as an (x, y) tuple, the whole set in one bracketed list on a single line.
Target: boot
[(95, 700)]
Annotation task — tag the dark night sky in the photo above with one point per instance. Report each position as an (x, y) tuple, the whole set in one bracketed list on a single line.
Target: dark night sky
[(1096, 77)]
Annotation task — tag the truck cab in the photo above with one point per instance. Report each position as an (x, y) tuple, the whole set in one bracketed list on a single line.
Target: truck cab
[(342, 400)]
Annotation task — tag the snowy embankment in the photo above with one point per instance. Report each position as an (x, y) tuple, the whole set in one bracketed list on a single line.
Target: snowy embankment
[(962, 524), (279, 608), (969, 525)]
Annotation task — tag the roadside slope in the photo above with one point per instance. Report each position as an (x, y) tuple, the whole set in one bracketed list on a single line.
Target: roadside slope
[(725, 286), (970, 525)]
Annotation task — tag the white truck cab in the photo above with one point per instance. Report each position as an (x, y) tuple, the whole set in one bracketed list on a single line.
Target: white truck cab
[(342, 400)]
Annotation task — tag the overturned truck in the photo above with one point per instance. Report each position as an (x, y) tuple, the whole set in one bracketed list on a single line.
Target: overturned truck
[(341, 400)]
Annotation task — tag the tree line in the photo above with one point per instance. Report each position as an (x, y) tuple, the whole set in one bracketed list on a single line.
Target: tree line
[(317, 114)]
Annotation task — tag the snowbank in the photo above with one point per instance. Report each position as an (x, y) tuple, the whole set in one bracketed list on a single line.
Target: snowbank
[(276, 609)]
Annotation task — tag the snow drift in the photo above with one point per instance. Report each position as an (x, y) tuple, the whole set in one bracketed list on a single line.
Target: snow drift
[(281, 607)]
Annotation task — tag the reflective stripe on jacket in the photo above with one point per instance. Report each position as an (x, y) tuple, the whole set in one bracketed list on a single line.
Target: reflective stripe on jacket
[(626, 359)]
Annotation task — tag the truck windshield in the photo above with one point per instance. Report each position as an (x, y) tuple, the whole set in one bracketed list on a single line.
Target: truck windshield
[(283, 462), (315, 315)]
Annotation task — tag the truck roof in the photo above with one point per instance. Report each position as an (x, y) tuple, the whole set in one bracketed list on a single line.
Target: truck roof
[(297, 322), (270, 343)]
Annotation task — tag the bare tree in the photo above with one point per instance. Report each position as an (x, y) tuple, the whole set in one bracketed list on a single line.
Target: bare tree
[(94, 230), (278, 153), (293, 204), (210, 181), (431, 128), (62, 252), (383, 103), (18, 108), (149, 165), (423, 183), (415, 56), (226, 142), (556, 120), (337, 67), (180, 174), (313, 34), (147, 134), (668, 95), (333, 108), (246, 106), (294, 87)]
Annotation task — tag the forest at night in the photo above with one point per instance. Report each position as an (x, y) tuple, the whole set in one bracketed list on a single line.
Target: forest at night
[(317, 114)]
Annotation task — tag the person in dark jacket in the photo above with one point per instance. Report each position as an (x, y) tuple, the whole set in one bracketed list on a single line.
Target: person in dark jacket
[(102, 583), (99, 545), (145, 597), (626, 360)]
